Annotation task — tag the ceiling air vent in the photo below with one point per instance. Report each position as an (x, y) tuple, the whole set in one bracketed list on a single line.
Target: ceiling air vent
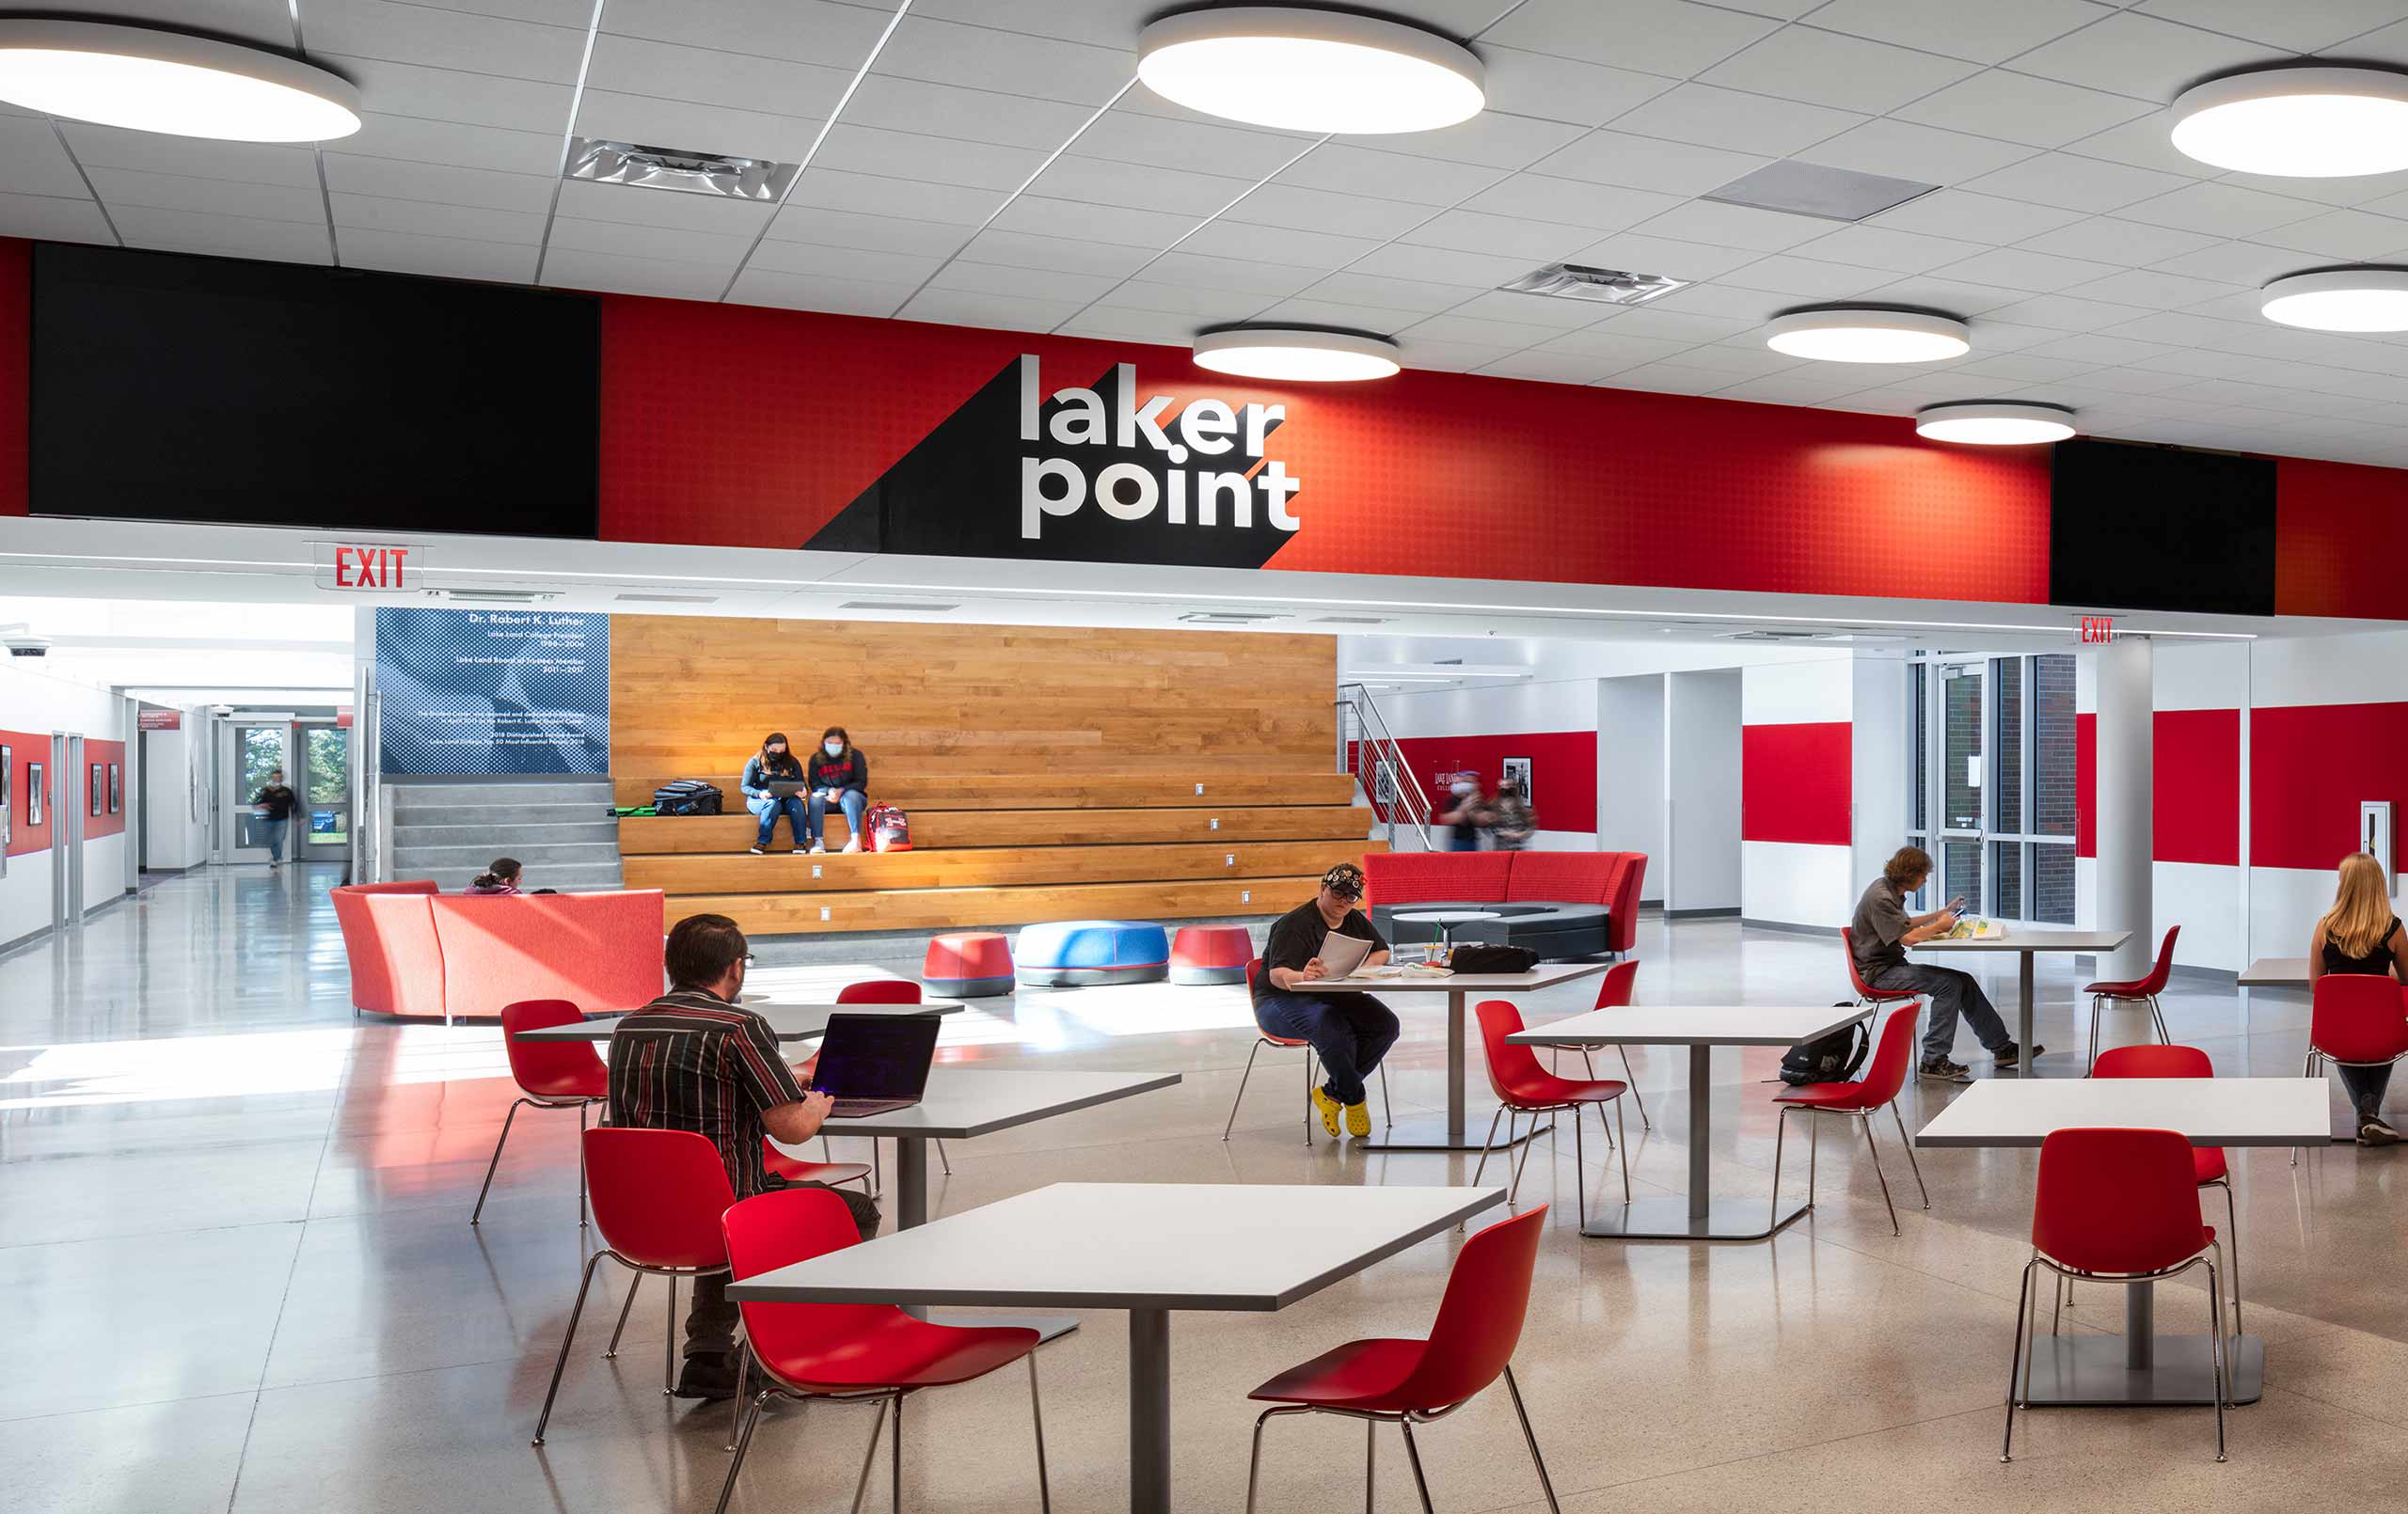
[(1797, 188), (1608, 285), (496, 596), (689, 173), (1227, 617), (1352, 620), (667, 599), (895, 604), (1777, 635)]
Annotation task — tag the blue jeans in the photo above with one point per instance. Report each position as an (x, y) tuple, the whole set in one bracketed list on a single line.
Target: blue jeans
[(768, 807), (1349, 1032), (276, 830), (854, 801), (1952, 992)]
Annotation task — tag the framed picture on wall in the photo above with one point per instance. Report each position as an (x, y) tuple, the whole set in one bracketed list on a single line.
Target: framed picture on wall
[(33, 795), (1516, 770), (99, 787), (116, 789)]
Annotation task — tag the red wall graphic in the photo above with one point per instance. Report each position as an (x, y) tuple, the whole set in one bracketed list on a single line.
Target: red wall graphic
[(1563, 771), (26, 748), (2195, 787), (2338, 525), (2309, 765), (1794, 783), (103, 755)]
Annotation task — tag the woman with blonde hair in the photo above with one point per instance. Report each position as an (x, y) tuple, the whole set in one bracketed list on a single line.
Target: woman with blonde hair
[(2360, 934)]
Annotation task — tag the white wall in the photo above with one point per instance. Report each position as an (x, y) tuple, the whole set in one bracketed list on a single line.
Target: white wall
[(1630, 773), (39, 701), (1702, 767), (1877, 758), (1797, 883), (175, 781)]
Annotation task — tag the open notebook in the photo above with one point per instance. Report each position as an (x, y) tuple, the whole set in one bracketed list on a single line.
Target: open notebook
[(1343, 955)]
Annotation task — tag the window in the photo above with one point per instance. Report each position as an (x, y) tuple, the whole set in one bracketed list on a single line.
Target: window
[(1996, 810)]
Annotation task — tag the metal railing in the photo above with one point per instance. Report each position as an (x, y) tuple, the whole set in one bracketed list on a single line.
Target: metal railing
[(1365, 749)]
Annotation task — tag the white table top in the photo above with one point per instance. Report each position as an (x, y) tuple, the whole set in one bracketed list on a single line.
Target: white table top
[(2275, 973), (2212, 1112), (1132, 1246), (2022, 937), (1695, 1025), (787, 1021), (1445, 917), (1546, 975), (963, 1102)]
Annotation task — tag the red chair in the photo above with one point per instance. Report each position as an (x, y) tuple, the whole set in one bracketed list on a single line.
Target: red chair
[(551, 1075), (2137, 991), (1614, 992), (1407, 1382), (1264, 1038), (2207, 1163), (885, 991), (2355, 1019), (1878, 1090), (1523, 1087), (853, 1354), (1865, 992), (2116, 1207), (657, 1196)]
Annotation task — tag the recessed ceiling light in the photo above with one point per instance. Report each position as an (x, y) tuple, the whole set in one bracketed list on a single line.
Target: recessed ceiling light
[(2339, 299), (2297, 122), (1839, 334), (155, 81), (1994, 422), (1296, 353), (1308, 70)]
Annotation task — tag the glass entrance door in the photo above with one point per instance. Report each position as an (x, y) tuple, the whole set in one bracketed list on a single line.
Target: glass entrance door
[(322, 824), (248, 754), (1963, 765)]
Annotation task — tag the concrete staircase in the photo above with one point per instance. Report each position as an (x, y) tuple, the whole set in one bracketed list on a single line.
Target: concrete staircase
[(561, 828)]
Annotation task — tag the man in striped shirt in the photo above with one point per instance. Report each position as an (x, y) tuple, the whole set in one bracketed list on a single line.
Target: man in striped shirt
[(696, 1060)]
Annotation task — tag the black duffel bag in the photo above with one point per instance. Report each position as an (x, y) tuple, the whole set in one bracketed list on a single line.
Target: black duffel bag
[(1475, 957), (1829, 1058), (686, 796)]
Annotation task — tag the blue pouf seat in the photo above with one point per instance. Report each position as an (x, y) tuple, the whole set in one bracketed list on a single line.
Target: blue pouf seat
[(1080, 953)]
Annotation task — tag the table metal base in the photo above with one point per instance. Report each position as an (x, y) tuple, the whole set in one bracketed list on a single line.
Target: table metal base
[(2090, 1372), (1667, 1218), (1431, 1134), (1048, 1327)]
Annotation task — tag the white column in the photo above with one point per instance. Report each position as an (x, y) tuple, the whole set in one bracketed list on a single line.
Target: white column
[(2126, 729)]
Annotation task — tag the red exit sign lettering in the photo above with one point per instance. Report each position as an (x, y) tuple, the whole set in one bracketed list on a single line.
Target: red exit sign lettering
[(2097, 630), (375, 567)]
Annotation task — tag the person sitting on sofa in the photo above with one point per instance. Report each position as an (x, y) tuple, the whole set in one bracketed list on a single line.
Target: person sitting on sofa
[(1349, 1032), (839, 776), (772, 764), (499, 876)]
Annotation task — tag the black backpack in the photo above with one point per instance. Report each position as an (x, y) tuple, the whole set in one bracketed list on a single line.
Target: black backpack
[(686, 796), (1831, 1059)]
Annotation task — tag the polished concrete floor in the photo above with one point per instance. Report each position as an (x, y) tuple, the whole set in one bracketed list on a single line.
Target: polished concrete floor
[(236, 1272)]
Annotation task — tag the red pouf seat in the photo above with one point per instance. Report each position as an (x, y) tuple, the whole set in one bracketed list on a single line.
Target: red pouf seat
[(968, 965), (1209, 954)]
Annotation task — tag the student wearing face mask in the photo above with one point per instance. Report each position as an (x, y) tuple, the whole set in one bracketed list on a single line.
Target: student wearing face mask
[(1469, 815), (838, 775), (774, 763)]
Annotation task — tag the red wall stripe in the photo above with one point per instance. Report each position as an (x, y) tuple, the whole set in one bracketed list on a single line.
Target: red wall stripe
[(1794, 783), (2085, 785), (2337, 533), (101, 755), (1564, 771), (25, 748), (2309, 765), (2195, 787)]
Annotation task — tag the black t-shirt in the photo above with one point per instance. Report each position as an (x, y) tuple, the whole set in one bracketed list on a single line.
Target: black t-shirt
[(2377, 962), (1296, 938), (278, 801)]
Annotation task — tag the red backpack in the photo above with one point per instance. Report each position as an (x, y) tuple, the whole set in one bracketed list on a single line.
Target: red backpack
[(889, 829)]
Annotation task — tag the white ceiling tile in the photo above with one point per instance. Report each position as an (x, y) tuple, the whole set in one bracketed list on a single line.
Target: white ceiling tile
[(439, 183), (2022, 367), (1538, 196), (1735, 226), (2149, 286), (2016, 268), (1562, 88), (1325, 209), (1723, 302), (660, 243), (1555, 312), (2131, 381), (1399, 293), (1608, 340), (1002, 312), (1807, 278), (120, 187), (1644, 162), (1197, 305), (1879, 247), (410, 218), (2176, 329), (2291, 27), (2093, 350), (456, 95), (1512, 336), (963, 113), (1315, 312), (1636, 252), (1276, 244), (1508, 236), (1450, 357), (33, 162), (197, 158), (1034, 283), (862, 265), (1190, 147), (783, 291), (1124, 322), (825, 227), (1552, 368), (1132, 186), (1973, 29), (2076, 183), (2386, 45), (2142, 143), (1652, 319), (1830, 69), (409, 139), (145, 226), (2221, 210), (2362, 190), (1958, 297), (2353, 234), (248, 19), (945, 51), (2016, 108), (690, 125), (2065, 313), (1665, 37), (936, 159), (435, 256), (1734, 360), (1902, 149), (2105, 239), (1019, 249), (1101, 223), (1958, 212), (1798, 386), (53, 217), (1388, 174), (1246, 276), (869, 194), (2138, 55), (1491, 139), (446, 39), (1704, 115), (837, 36), (1442, 266), (1667, 378), (668, 209), (2234, 262)]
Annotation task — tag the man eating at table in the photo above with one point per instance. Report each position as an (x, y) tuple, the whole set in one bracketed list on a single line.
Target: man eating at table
[(695, 1059), (1349, 1032)]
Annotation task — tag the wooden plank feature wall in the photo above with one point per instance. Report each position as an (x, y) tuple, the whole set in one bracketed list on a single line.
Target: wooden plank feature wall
[(1050, 773)]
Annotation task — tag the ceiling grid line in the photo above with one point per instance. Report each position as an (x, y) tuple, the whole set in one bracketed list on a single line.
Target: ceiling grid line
[(317, 149), (568, 135), (98, 204)]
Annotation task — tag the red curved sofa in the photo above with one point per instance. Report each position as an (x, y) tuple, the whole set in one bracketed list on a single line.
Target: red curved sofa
[(1558, 904), (416, 953)]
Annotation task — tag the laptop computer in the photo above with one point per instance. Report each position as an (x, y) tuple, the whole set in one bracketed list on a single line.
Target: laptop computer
[(872, 1063), (787, 788)]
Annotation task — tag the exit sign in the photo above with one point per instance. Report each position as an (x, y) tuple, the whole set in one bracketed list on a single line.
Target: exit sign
[(375, 567), (2097, 630)]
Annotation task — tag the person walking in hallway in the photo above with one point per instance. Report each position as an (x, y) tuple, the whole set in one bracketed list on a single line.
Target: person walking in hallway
[(275, 804), (1884, 930), (2360, 934), (1351, 1032)]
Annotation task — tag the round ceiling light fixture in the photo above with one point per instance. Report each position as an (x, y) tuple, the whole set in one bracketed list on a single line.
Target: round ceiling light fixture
[(1308, 70), (2339, 299), (154, 81), (1305, 353), (1994, 422), (2297, 122), (1853, 334)]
